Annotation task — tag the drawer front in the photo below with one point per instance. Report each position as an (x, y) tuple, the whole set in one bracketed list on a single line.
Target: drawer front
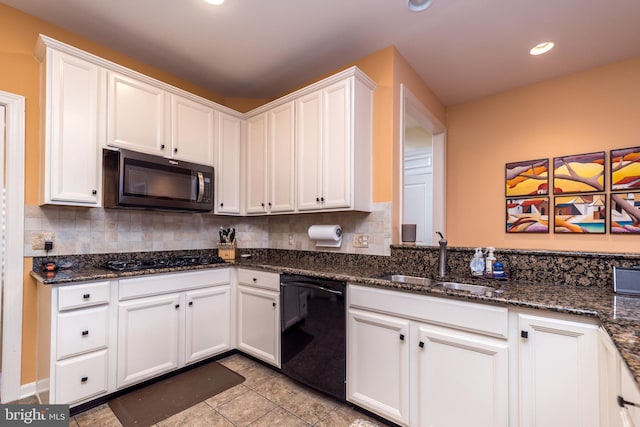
[(481, 318), (83, 295), (81, 377), (82, 331), (260, 279), (158, 284)]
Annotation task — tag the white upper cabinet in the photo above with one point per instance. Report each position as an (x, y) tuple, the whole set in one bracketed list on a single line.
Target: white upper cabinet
[(334, 143), (192, 130), (228, 164), (270, 161), (74, 96), (137, 116)]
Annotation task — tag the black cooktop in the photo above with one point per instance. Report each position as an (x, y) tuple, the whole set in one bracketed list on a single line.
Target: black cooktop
[(150, 263)]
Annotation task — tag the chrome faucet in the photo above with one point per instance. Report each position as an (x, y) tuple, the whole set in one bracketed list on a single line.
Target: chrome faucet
[(442, 258)]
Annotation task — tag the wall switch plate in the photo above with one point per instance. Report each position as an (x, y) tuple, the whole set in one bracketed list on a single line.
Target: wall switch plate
[(360, 240), (38, 239)]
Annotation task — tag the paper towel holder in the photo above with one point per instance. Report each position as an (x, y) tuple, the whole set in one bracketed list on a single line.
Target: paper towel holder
[(328, 236)]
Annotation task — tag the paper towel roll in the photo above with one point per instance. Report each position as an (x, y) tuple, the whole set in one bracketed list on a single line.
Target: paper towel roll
[(326, 235)]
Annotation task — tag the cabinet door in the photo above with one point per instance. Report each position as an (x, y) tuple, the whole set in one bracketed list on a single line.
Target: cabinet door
[(256, 163), (227, 169), (462, 379), (309, 151), (208, 322), (337, 146), (281, 158), (137, 116), (629, 391), (609, 381), (191, 131), (558, 372), (74, 94), (147, 337), (378, 364), (259, 324)]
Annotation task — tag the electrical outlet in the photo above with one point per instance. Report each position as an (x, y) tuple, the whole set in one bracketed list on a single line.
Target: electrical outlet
[(290, 239), (360, 240), (40, 237)]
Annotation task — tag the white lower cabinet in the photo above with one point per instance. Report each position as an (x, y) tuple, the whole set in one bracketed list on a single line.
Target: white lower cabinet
[(421, 361), (74, 343), (147, 337), (557, 371), (189, 320), (378, 364), (259, 315), (462, 378)]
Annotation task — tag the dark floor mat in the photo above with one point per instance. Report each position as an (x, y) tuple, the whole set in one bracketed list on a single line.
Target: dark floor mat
[(158, 401)]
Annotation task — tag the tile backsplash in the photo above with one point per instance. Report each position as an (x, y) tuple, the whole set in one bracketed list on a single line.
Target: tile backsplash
[(96, 230)]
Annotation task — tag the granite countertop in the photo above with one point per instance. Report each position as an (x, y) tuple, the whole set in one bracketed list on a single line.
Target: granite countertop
[(619, 315)]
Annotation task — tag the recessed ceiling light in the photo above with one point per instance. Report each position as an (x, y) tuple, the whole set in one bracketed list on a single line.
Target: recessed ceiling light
[(215, 2), (541, 48), (419, 5)]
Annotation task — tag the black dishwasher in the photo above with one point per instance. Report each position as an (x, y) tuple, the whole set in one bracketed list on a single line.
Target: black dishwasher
[(313, 342)]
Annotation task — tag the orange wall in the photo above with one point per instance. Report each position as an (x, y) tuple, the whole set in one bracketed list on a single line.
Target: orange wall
[(590, 111)]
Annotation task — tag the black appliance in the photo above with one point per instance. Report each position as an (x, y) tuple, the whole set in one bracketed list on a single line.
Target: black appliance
[(138, 180), (313, 324), (124, 265)]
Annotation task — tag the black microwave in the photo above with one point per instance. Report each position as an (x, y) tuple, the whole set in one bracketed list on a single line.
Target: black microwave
[(138, 180)]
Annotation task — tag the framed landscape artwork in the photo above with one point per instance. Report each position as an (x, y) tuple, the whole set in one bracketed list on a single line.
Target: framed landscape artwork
[(528, 178), (625, 213), (625, 169), (527, 215), (580, 173), (580, 213)]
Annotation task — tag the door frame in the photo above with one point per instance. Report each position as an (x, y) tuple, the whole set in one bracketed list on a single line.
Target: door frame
[(410, 104), (12, 290)]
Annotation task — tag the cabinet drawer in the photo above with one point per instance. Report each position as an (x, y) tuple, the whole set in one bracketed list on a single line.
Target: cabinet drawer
[(81, 331), (81, 377), (83, 295), (481, 318), (158, 284), (260, 279)]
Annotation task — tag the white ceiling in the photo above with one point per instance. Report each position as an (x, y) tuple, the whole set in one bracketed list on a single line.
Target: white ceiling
[(462, 49)]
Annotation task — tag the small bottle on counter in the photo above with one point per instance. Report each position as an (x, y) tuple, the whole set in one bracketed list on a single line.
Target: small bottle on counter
[(498, 270), (477, 263), (489, 260)]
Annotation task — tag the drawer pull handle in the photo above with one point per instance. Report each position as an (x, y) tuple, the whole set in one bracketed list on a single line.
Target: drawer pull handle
[(273, 303), (86, 296), (84, 379), (190, 303), (85, 333), (255, 279), (401, 337), (421, 345), (177, 306), (524, 334)]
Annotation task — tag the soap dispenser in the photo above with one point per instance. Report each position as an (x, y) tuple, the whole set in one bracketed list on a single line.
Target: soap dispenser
[(477, 263), (489, 260)]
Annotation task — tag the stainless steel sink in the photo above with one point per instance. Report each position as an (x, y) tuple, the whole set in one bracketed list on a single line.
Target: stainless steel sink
[(413, 280), (465, 287)]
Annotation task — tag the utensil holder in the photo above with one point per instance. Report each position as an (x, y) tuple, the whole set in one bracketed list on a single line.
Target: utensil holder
[(227, 251)]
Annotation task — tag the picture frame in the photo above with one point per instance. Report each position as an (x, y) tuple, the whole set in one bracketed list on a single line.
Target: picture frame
[(527, 178), (579, 173), (527, 215), (625, 213), (580, 214), (624, 169)]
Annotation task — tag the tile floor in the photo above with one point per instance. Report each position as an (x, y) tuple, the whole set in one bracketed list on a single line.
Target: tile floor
[(265, 398)]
